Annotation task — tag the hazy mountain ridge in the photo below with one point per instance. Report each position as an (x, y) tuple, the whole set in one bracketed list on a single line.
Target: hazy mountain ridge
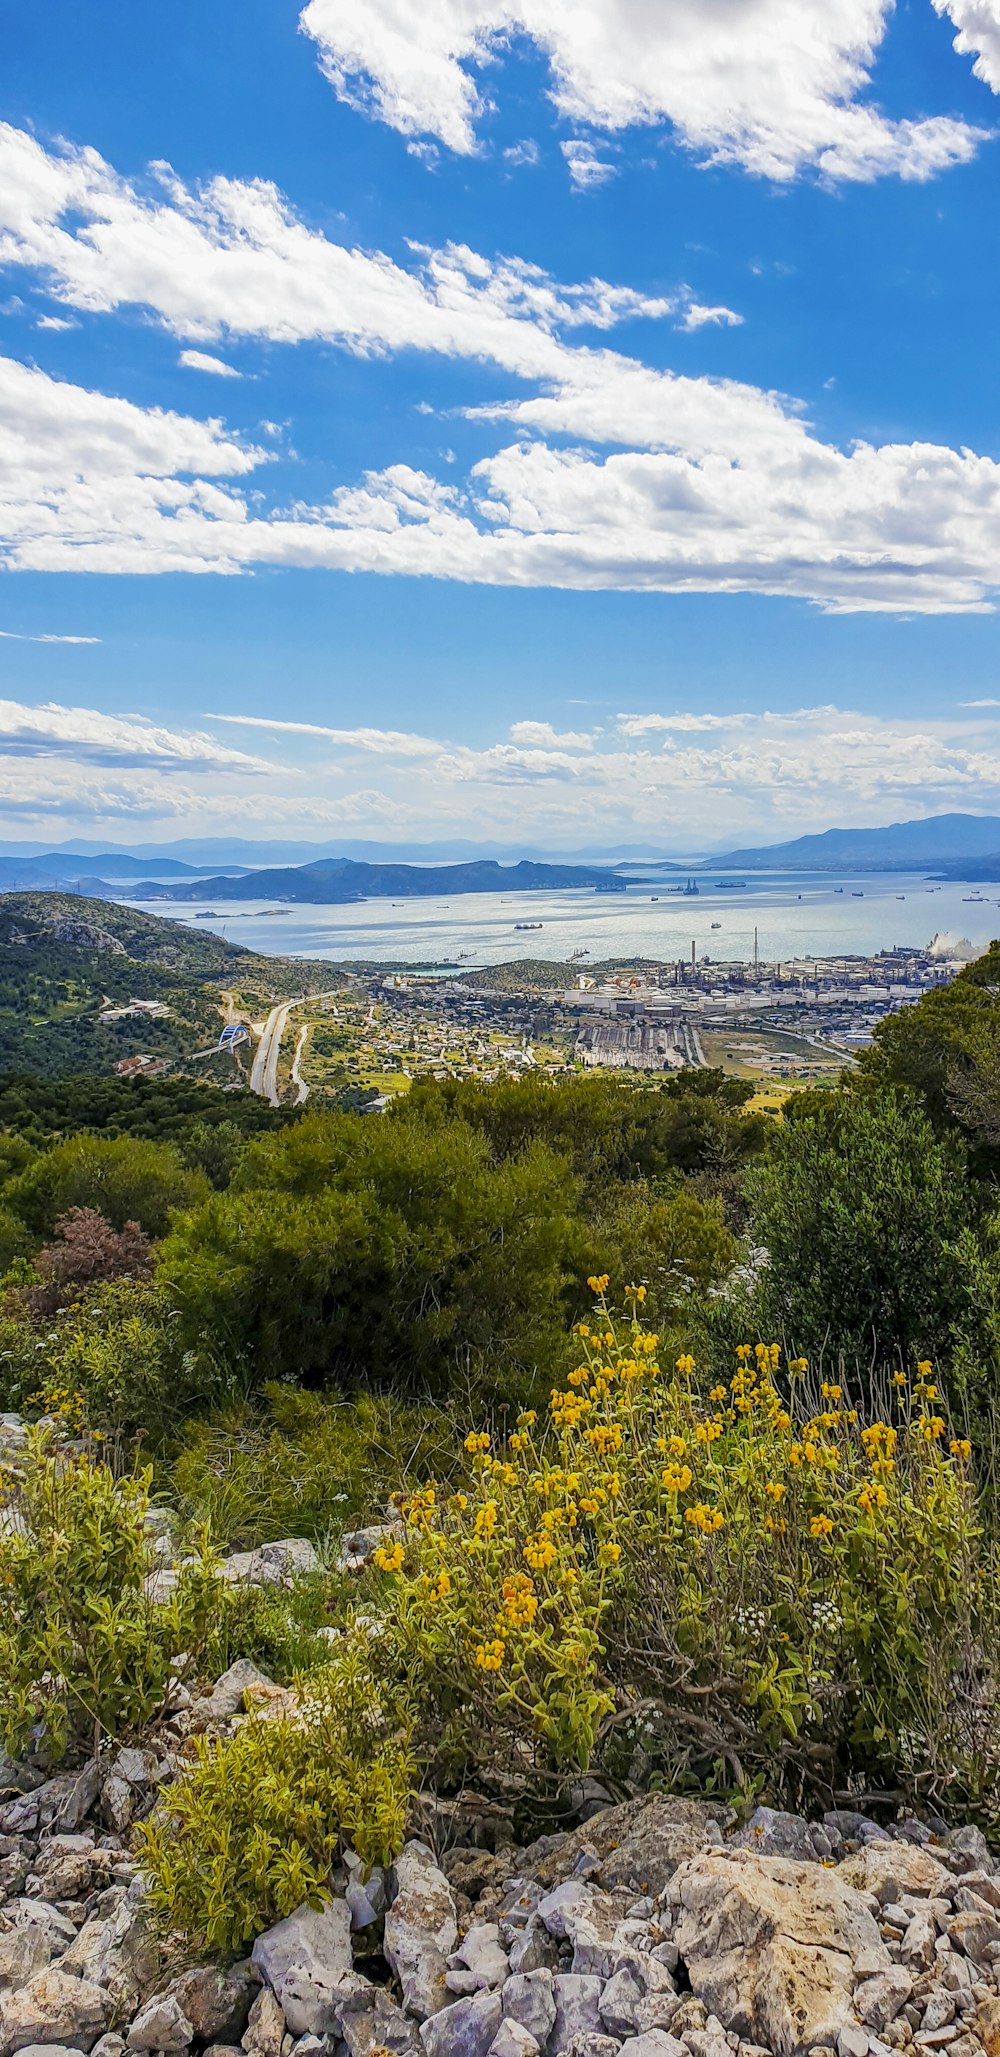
[(903, 846), (343, 879)]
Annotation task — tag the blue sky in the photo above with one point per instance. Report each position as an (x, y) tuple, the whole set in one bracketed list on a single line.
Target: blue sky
[(557, 420)]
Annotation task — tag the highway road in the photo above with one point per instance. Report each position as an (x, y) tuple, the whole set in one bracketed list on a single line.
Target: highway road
[(264, 1070)]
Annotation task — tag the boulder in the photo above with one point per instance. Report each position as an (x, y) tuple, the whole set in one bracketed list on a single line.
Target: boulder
[(303, 1959), (265, 2029), (511, 2040), (639, 1844), (528, 1999), (64, 1867), (465, 2030), (421, 1930), (228, 1693), (578, 2009), (775, 1834), (369, 2020), (217, 2003), (64, 1802), (480, 1955), (656, 2043), (891, 1869), (878, 2000), (23, 1951), (52, 2008), (161, 2025), (770, 1946)]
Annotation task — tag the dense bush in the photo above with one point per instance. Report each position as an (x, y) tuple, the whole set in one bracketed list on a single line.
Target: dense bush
[(255, 1827), (756, 1584), (947, 1049), (84, 1652), (351, 1251), (122, 1177), (118, 1350), (859, 1209), (85, 1251)]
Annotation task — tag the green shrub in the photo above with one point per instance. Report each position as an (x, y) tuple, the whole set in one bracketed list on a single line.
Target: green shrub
[(757, 1586), (125, 1178), (303, 1464), (350, 1253), (118, 1350), (859, 1208), (84, 1652), (256, 1825)]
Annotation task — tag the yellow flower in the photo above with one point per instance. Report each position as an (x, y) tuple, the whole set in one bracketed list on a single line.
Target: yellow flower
[(609, 1553), (775, 1525), (685, 1366), (578, 1377), (899, 1378), (519, 1599), (440, 1587), (798, 1365), (490, 1656), (871, 1497), (459, 1501), (676, 1447), (705, 1518), (599, 1285), (931, 1427), (527, 1419), (389, 1557), (676, 1478), (831, 1392), (486, 1519), (709, 1431), (539, 1551), (476, 1444), (774, 1489), (960, 1446), (718, 1394), (925, 1368), (821, 1525), (518, 1443)]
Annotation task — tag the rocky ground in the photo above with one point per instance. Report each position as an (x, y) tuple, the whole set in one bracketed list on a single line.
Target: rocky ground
[(655, 1929), (659, 1928)]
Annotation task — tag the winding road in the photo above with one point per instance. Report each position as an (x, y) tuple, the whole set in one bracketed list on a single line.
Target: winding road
[(264, 1070)]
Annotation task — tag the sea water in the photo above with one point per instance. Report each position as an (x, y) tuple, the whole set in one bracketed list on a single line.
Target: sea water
[(803, 915)]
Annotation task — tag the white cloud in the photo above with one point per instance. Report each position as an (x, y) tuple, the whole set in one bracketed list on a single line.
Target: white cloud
[(744, 499), (978, 25), (383, 742), (692, 776), (542, 734), (526, 152), (703, 484), (696, 316), (233, 259), (201, 360), (772, 85), (979, 703), (55, 321), (586, 168), (113, 740), (12, 636)]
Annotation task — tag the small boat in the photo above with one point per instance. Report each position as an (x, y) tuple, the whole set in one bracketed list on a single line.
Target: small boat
[(838, 889), (901, 896), (528, 924), (654, 897), (857, 896), (716, 924)]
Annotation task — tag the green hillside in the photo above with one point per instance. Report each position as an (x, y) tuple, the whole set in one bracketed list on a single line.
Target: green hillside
[(67, 966)]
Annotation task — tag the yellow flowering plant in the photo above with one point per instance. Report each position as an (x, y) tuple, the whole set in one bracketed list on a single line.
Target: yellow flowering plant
[(758, 1582)]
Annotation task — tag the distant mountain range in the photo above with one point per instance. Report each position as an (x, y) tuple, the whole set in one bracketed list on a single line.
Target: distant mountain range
[(57, 868), (228, 853), (905, 846), (341, 878), (983, 871)]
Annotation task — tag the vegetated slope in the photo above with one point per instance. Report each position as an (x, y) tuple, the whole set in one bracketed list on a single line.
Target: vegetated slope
[(903, 846), (982, 870), (66, 962), (342, 878)]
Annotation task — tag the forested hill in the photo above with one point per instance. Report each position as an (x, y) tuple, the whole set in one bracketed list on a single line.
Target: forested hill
[(68, 966), (342, 878)]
